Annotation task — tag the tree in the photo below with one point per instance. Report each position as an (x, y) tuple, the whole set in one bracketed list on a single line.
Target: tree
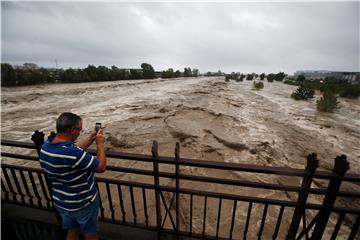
[(148, 71), (195, 72), (303, 93), (91, 72), (258, 85), (7, 75), (327, 103), (70, 76), (300, 78), (270, 77), (242, 76), (168, 74), (177, 73), (187, 72), (103, 73), (135, 74), (30, 66), (262, 76), (249, 77), (280, 76)]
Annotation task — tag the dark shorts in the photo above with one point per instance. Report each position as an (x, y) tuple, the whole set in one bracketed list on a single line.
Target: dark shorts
[(86, 219)]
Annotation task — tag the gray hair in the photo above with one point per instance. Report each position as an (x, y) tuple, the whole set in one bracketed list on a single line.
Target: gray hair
[(66, 121)]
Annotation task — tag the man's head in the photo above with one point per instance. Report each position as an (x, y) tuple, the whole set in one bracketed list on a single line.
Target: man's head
[(69, 124)]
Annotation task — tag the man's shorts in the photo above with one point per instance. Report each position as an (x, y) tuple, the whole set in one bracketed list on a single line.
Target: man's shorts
[(86, 219)]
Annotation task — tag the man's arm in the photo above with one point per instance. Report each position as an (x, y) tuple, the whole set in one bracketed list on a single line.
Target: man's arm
[(87, 141), (100, 144)]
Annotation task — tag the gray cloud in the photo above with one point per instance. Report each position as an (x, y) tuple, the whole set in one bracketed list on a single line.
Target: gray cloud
[(243, 37)]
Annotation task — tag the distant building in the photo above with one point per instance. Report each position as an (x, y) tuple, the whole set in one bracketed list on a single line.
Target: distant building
[(350, 77)]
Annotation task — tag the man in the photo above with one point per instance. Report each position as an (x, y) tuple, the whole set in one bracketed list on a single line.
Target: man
[(70, 171)]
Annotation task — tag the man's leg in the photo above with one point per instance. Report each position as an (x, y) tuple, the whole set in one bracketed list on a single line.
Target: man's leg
[(73, 234), (91, 237)]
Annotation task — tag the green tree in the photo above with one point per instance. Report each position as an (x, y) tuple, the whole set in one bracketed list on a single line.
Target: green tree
[(30, 66), (168, 74), (187, 72), (327, 103), (352, 91), (280, 76), (135, 74), (249, 77), (8, 77), (258, 85), (177, 74), (242, 76), (262, 76), (148, 71), (91, 71), (270, 77), (103, 73), (70, 76), (195, 72), (300, 78), (303, 93)]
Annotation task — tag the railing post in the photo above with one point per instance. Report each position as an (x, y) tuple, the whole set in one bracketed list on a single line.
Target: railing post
[(51, 136), (177, 158), (311, 165), (155, 157), (340, 168), (38, 139)]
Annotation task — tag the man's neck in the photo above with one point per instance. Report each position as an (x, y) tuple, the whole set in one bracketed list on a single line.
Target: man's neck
[(62, 137)]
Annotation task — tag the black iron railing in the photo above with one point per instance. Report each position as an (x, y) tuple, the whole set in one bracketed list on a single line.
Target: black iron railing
[(171, 195)]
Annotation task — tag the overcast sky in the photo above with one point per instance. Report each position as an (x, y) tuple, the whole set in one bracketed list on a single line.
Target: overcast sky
[(240, 37)]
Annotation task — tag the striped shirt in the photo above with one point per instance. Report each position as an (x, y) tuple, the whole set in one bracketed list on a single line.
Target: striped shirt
[(71, 172)]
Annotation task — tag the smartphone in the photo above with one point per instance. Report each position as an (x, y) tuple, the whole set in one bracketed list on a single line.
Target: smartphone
[(97, 126)]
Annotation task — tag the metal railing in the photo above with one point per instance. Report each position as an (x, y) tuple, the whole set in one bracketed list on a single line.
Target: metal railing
[(178, 199)]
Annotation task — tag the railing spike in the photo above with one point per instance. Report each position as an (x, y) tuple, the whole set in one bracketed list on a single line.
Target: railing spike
[(51, 136), (341, 165), (38, 139), (312, 163)]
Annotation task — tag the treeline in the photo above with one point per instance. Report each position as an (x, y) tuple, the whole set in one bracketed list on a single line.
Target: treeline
[(187, 73), (30, 74), (251, 76)]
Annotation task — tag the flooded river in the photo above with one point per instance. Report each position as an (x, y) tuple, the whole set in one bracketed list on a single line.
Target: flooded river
[(211, 118)]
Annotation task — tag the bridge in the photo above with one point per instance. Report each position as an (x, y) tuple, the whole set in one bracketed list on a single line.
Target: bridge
[(164, 200)]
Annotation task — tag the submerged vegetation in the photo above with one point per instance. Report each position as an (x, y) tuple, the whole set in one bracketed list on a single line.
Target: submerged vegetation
[(327, 103), (258, 85), (329, 84), (303, 93)]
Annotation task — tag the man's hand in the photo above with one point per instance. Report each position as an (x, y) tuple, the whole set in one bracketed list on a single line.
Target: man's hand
[(100, 138), (100, 143), (89, 139), (93, 135)]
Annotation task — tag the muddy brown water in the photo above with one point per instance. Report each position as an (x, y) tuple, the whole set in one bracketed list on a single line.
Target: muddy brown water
[(212, 119)]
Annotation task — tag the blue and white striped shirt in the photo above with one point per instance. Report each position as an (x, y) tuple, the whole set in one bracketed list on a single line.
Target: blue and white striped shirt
[(71, 172)]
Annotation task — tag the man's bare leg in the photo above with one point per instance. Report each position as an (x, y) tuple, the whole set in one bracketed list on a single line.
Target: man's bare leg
[(91, 237), (73, 234)]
